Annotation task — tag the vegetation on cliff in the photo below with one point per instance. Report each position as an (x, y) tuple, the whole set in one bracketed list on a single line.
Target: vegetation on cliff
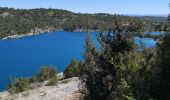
[(23, 84)]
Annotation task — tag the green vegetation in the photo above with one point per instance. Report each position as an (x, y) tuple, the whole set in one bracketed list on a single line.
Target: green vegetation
[(22, 21), (53, 80), (19, 85), (72, 69), (23, 84), (120, 70), (148, 35), (160, 88), (45, 73)]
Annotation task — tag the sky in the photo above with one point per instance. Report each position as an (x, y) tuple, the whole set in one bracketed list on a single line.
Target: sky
[(133, 7)]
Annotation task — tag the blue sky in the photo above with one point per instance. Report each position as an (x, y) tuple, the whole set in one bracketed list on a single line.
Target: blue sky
[(139, 7)]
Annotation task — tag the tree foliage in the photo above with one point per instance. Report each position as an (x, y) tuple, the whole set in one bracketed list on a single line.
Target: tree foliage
[(23, 84), (23, 21), (160, 88), (119, 70), (72, 70), (19, 85)]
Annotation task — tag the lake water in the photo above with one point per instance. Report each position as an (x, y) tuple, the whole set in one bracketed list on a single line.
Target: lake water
[(23, 57), (148, 42)]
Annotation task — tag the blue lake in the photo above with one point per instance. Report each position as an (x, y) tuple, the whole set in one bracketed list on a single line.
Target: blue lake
[(23, 57), (148, 42)]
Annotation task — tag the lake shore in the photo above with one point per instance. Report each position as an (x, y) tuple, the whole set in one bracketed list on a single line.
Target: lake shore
[(42, 32), (24, 35), (17, 36)]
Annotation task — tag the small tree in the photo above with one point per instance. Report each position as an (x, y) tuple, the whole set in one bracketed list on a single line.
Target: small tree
[(72, 69)]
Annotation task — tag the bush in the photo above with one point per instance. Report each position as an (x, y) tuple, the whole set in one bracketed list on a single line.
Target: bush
[(19, 85), (45, 73), (23, 84), (53, 81), (12, 89), (72, 69)]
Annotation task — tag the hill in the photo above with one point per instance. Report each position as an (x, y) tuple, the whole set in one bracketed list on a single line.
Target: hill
[(26, 21)]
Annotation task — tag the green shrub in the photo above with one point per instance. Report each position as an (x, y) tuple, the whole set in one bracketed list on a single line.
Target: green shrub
[(53, 81), (45, 73), (72, 69), (19, 85), (23, 84), (33, 79), (12, 89)]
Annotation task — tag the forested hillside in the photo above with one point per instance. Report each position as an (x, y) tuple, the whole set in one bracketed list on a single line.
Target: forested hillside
[(23, 21)]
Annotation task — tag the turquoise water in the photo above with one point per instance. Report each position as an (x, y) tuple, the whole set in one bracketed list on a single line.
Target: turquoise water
[(148, 42), (23, 57), (156, 33)]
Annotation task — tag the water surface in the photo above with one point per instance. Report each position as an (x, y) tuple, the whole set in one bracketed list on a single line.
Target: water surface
[(23, 57)]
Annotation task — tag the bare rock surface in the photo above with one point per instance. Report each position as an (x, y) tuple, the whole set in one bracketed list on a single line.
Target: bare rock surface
[(67, 89)]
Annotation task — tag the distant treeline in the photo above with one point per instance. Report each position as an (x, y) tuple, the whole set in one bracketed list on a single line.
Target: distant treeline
[(23, 21)]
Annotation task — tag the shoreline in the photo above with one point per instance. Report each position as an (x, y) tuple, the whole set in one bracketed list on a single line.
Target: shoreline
[(25, 35), (10, 37), (17, 36)]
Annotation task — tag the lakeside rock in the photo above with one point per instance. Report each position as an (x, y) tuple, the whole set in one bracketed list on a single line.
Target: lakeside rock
[(17, 36)]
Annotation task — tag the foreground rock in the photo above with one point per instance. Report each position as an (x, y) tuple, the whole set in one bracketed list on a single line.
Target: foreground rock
[(68, 89)]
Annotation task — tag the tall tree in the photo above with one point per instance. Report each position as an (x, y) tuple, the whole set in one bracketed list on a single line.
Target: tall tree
[(160, 88)]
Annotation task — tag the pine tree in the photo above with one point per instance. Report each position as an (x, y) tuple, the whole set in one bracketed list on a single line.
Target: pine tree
[(116, 71), (160, 88), (87, 69), (100, 68)]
